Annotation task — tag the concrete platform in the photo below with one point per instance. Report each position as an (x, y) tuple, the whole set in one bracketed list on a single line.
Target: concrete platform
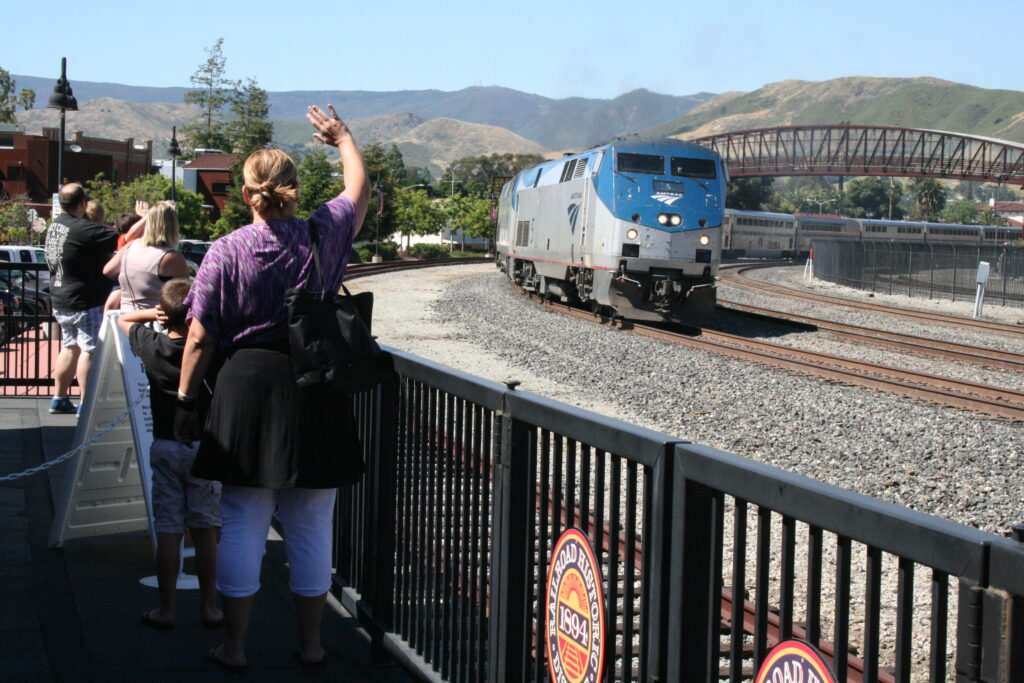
[(73, 613)]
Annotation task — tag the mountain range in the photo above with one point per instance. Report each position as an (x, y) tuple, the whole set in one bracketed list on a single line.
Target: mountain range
[(432, 128), (908, 102), (554, 124)]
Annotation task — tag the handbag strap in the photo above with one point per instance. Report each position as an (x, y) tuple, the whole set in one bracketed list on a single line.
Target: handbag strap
[(314, 243)]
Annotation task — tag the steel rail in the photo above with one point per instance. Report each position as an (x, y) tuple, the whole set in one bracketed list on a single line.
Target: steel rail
[(902, 342), (358, 270), (735, 277), (994, 401)]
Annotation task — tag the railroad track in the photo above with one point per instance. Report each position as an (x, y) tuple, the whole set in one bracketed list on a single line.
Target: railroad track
[(981, 398), (734, 276), (358, 270), (992, 358)]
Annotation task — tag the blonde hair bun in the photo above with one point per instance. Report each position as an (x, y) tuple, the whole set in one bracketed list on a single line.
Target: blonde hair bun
[(271, 178)]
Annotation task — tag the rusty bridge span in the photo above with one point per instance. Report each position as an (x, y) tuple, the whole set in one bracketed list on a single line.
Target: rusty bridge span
[(868, 150)]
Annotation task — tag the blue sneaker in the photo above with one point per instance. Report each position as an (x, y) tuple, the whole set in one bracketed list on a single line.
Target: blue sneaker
[(62, 405)]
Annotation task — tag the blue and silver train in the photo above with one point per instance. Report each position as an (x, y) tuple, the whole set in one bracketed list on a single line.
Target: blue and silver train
[(633, 228), (759, 234)]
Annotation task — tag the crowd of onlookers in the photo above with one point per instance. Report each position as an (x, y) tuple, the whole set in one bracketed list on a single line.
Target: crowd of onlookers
[(234, 437)]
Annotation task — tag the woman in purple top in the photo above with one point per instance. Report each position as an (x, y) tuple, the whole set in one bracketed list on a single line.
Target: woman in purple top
[(270, 444)]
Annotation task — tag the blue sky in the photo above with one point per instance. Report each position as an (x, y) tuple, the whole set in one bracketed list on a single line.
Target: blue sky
[(552, 48)]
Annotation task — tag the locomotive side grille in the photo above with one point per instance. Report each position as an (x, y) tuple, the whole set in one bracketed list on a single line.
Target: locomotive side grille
[(522, 233), (567, 170), (581, 166)]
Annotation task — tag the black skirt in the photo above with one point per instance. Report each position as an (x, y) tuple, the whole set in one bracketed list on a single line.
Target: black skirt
[(266, 432)]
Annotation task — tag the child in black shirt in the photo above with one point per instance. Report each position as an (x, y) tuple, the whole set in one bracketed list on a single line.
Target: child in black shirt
[(179, 499)]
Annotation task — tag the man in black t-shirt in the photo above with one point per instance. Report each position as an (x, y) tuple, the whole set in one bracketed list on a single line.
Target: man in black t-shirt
[(76, 251)]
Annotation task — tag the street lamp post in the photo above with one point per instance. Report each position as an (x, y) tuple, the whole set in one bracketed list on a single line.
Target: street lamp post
[(175, 152), (376, 242), (452, 171), (63, 99), (821, 204)]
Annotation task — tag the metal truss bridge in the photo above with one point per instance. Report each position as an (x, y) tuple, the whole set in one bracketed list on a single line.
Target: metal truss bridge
[(868, 150)]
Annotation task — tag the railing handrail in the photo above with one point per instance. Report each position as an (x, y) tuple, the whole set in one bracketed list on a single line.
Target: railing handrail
[(956, 549)]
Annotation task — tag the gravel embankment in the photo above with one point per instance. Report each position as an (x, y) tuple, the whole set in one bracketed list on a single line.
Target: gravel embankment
[(942, 461)]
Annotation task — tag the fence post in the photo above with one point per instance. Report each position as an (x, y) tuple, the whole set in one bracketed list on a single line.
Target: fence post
[(658, 567), (968, 632), (509, 624), (380, 573), (692, 618)]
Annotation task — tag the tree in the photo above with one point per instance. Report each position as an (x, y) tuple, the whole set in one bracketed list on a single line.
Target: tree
[(119, 199), (990, 217), (749, 194), (9, 102), (415, 213), (470, 214), (871, 196), (961, 212), (474, 175), (383, 172), (14, 220), (318, 182), (929, 199), (250, 129), (211, 92)]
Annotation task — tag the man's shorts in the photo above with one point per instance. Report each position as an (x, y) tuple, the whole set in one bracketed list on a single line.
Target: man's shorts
[(80, 328), (179, 499)]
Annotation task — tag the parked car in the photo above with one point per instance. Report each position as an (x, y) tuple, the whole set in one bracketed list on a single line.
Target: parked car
[(23, 253), (194, 250)]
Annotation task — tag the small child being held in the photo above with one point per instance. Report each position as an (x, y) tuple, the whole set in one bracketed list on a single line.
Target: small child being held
[(179, 499)]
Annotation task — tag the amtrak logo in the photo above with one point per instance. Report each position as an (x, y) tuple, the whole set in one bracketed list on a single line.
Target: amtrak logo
[(574, 213), (666, 198)]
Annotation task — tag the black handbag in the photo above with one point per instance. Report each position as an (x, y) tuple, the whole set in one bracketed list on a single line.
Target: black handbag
[(329, 337)]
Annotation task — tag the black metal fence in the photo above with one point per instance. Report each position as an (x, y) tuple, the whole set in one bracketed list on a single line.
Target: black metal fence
[(442, 550), (29, 334), (935, 271)]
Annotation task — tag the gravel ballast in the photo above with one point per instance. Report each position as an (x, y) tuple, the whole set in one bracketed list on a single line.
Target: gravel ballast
[(942, 461)]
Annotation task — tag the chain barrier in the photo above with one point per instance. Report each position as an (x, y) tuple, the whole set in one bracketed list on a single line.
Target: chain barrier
[(78, 449)]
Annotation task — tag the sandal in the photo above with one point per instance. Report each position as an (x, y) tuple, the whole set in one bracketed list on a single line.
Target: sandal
[(148, 620), (212, 623), (322, 664), (212, 656)]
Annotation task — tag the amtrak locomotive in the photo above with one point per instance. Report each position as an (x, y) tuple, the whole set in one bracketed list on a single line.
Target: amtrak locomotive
[(633, 227)]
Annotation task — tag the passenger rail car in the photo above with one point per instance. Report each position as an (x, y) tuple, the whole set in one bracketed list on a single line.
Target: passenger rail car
[(634, 226), (759, 234)]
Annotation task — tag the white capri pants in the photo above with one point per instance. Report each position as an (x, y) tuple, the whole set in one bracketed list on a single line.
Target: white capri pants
[(305, 514)]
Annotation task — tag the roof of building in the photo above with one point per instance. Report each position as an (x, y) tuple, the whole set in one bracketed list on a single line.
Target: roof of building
[(213, 162), (1014, 207)]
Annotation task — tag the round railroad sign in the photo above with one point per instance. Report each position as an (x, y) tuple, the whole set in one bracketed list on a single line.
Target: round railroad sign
[(793, 661), (575, 612)]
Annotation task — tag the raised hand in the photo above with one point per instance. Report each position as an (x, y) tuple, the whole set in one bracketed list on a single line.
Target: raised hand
[(331, 129), (141, 208)]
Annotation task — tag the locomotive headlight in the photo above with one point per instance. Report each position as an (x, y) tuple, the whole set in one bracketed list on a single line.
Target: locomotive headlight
[(674, 219), (704, 240), (632, 234), (663, 218)]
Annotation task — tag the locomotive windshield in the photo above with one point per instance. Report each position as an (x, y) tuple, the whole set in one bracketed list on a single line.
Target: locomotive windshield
[(641, 163), (693, 168)]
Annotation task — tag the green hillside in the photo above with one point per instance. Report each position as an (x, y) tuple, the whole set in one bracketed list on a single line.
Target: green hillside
[(907, 102)]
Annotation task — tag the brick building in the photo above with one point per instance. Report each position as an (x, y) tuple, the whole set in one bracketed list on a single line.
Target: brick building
[(209, 175), (28, 162)]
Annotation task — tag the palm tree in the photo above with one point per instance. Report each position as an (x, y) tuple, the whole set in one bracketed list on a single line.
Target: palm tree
[(929, 199)]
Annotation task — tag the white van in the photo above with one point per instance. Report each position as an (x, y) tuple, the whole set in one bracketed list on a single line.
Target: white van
[(23, 253)]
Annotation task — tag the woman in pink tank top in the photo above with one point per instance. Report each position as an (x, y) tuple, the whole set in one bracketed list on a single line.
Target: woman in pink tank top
[(144, 265)]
